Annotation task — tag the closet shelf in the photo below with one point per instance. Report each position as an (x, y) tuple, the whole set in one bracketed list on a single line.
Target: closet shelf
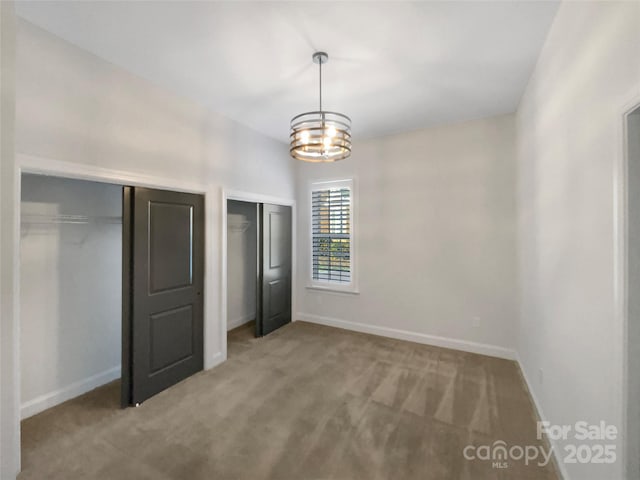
[(69, 219)]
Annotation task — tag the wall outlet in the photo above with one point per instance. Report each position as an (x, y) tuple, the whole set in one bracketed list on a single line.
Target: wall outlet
[(540, 376), (476, 322)]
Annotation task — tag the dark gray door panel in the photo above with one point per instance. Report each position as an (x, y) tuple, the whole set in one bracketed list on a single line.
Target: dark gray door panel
[(274, 286), (166, 267)]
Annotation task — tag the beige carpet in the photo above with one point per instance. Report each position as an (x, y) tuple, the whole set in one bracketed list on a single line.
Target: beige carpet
[(307, 402)]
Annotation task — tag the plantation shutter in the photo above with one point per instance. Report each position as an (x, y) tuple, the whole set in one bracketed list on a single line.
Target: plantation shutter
[(331, 234)]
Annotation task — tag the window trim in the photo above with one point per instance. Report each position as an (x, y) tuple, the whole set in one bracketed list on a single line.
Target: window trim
[(326, 285)]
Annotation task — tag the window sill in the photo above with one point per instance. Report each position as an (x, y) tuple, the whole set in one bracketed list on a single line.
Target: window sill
[(321, 288)]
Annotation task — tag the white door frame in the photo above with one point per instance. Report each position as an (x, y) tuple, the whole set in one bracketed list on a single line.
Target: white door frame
[(621, 271), (213, 354), (255, 198)]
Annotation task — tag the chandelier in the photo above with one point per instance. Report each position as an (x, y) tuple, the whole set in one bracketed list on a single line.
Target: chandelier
[(320, 136)]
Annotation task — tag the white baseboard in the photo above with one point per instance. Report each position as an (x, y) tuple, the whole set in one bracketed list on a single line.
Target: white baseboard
[(238, 322), (215, 360), (561, 468), (48, 400), (464, 345)]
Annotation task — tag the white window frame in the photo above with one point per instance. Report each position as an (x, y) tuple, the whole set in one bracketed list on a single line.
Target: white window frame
[(327, 285)]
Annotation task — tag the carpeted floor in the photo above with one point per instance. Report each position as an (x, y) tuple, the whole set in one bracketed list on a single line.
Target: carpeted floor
[(305, 403)]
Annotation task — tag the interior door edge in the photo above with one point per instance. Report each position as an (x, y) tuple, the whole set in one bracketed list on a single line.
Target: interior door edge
[(127, 245)]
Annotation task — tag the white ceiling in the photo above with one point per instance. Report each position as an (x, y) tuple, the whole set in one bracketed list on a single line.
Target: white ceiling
[(393, 66)]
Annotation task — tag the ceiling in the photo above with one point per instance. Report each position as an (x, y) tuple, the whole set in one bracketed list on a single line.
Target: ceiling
[(393, 66)]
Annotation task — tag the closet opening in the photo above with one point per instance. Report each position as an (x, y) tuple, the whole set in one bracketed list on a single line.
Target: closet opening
[(242, 269), (70, 299), (259, 269), (111, 299)]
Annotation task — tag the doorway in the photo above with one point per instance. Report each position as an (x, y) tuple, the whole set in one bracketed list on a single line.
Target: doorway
[(258, 266)]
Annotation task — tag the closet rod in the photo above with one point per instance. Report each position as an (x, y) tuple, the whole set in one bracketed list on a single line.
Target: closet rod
[(69, 219)]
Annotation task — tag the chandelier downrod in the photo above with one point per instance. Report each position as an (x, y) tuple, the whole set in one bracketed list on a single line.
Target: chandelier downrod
[(320, 82)]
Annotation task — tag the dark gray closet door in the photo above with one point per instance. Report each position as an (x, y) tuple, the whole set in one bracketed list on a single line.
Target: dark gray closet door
[(164, 270), (274, 285)]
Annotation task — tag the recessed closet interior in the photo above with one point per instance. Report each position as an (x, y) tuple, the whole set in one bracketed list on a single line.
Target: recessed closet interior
[(71, 288), (242, 262)]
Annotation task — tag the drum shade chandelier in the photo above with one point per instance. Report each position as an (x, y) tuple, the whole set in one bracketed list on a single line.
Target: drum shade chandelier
[(320, 136)]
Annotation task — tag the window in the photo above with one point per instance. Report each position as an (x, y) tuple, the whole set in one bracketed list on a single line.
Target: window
[(332, 233)]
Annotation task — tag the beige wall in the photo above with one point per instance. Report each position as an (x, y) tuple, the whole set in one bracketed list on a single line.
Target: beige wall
[(76, 107), (570, 338), (434, 235)]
